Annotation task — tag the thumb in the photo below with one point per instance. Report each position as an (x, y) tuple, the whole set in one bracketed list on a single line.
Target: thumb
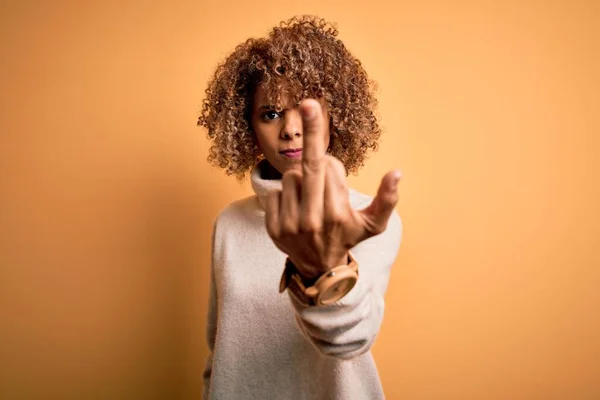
[(376, 215)]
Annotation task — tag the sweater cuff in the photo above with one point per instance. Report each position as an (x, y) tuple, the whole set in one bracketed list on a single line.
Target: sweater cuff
[(344, 329), (353, 297)]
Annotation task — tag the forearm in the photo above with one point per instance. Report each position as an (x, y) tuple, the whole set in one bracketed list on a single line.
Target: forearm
[(345, 329), (349, 327)]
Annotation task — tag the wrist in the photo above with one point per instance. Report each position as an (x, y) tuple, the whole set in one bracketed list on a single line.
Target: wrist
[(326, 288), (312, 273)]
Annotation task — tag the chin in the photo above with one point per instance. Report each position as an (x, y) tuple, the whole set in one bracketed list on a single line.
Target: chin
[(295, 165)]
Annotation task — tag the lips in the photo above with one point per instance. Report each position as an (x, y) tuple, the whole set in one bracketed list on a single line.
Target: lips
[(292, 153)]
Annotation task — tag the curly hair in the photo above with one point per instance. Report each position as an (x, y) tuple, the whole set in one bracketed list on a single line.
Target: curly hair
[(300, 58)]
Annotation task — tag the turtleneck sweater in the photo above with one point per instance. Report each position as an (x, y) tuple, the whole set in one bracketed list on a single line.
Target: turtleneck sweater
[(269, 345)]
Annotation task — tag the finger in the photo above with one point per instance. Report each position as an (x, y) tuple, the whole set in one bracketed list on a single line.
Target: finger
[(336, 192), (378, 212), (313, 166), (290, 200), (272, 213), (313, 131)]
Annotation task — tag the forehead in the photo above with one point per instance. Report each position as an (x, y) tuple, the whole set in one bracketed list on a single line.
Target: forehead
[(276, 94)]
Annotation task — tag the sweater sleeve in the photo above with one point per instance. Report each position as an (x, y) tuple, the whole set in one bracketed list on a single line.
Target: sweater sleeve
[(348, 328), (211, 326)]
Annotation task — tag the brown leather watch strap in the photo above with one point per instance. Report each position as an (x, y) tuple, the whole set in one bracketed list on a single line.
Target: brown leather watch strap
[(288, 282)]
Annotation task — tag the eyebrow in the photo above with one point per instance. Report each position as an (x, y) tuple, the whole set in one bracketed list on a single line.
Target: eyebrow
[(267, 107)]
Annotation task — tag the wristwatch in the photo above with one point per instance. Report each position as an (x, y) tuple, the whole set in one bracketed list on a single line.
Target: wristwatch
[(325, 289)]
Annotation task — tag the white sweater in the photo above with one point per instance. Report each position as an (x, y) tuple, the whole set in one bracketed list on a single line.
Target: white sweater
[(268, 345)]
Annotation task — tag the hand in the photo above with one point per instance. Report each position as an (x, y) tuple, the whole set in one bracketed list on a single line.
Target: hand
[(311, 219)]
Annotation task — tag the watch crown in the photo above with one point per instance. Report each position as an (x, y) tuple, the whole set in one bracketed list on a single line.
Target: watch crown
[(312, 291)]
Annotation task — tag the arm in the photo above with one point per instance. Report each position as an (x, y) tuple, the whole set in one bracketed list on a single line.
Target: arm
[(348, 328), (211, 327), (313, 221)]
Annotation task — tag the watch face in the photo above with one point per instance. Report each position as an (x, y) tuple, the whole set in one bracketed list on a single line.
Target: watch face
[(337, 290)]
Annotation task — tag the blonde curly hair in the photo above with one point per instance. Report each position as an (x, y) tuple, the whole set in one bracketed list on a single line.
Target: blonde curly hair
[(300, 58)]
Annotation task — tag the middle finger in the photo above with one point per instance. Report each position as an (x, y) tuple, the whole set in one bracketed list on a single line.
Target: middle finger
[(313, 165)]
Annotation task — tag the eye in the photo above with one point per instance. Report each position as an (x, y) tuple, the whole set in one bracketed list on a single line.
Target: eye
[(270, 115)]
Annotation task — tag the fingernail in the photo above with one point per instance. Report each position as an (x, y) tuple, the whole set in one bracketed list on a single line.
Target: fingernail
[(397, 176)]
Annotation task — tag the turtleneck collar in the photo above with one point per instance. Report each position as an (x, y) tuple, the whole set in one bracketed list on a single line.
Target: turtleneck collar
[(263, 186)]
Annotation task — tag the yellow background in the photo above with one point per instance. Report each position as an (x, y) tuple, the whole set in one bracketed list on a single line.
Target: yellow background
[(107, 202)]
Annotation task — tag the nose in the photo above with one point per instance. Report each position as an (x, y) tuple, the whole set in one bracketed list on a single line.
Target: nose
[(292, 125)]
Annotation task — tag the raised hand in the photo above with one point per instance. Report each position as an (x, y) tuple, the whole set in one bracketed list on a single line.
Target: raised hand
[(311, 219)]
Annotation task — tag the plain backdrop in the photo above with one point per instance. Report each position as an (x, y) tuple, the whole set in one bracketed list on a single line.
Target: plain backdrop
[(490, 109)]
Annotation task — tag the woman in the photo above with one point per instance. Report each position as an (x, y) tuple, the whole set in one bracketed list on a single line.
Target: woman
[(296, 110)]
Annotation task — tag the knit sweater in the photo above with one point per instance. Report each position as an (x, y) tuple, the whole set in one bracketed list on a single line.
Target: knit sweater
[(269, 345)]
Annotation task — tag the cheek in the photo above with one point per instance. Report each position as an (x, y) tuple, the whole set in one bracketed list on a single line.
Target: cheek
[(260, 141), (263, 139), (259, 134)]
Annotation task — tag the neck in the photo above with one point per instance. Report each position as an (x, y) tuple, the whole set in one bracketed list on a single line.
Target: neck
[(264, 180), (269, 172)]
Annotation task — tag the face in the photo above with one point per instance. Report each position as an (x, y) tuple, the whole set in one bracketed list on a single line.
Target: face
[(279, 133)]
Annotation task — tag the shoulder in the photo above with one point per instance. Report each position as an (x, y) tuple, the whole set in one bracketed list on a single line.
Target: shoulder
[(237, 207), (238, 214)]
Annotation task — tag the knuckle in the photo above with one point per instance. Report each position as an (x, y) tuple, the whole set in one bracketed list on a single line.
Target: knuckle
[(378, 228), (288, 228), (336, 175), (313, 165), (335, 164), (390, 199), (310, 225), (334, 217)]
